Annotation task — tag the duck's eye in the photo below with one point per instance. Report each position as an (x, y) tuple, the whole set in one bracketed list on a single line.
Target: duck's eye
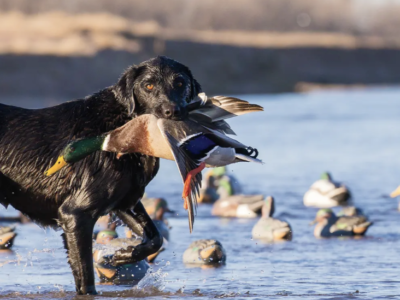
[(72, 149), (149, 86)]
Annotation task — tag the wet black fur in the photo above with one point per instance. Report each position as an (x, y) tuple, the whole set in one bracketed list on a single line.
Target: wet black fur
[(74, 198)]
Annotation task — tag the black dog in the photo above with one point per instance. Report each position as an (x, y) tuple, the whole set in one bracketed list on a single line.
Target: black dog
[(30, 141)]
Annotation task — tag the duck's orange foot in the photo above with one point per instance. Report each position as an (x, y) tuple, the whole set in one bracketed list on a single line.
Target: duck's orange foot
[(186, 187)]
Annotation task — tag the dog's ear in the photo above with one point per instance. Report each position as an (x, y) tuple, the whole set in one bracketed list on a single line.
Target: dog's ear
[(196, 88), (124, 89)]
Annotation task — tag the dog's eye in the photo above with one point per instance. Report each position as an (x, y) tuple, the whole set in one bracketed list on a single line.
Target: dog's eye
[(179, 84), (149, 86)]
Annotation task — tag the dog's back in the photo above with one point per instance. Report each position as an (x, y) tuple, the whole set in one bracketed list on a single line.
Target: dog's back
[(31, 140)]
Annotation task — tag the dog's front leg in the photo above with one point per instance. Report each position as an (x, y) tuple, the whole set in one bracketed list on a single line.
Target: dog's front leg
[(141, 224), (78, 229)]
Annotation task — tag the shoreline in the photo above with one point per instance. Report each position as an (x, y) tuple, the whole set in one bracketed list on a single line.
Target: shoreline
[(55, 54)]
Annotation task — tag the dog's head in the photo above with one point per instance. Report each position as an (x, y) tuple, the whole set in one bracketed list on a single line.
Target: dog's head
[(160, 86)]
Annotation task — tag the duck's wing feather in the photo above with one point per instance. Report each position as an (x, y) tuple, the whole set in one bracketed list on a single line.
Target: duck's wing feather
[(174, 136), (221, 126), (220, 108)]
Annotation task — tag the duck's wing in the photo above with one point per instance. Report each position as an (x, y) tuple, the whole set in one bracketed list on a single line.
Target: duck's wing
[(351, 221), (175, 135), (220, 126), (219, 108)]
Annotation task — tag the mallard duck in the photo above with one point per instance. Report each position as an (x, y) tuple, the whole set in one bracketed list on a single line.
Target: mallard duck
[(107, 222), (329, 225), (217, 183), (7, 236), (156, 208), (239, 206), (195, 143), (350, 211), (325, 193), (396, 193), (122, 274), (21, 218), (268, 228), (204, 252)]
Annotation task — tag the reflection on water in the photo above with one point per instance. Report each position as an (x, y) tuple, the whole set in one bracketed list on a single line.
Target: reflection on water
[(354, 135)]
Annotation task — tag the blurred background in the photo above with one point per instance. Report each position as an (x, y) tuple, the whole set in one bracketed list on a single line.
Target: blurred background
[(68, 49), (326, 73)]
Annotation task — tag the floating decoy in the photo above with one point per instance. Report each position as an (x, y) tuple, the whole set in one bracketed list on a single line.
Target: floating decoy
[(204, 252), (217, 183), (195, 143), (7, 236), (325, 193), (107, 222), (350, 211), (396, 193), (239, 206), (268, 228), (329, 225), (156, 208), (123, 274), (21, 218)]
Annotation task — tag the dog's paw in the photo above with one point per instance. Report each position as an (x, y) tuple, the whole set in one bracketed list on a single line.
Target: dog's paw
[(123, 256)]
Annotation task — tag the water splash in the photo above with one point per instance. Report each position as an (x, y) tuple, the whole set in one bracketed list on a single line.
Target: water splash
[(154, 280)]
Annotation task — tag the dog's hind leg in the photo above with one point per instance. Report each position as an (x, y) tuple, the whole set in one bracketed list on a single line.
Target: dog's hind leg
[(78, 229), (141, 224)]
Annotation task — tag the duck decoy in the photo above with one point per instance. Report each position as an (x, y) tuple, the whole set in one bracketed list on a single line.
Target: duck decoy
[(107, 222), (325, 193), (7, 236), (239, 206), (123, 274), (350, 211), (268, 228), (396, 193), (194, 143), (217, 183), (21, 218), (330, 225), (204, 252), (156, 208)]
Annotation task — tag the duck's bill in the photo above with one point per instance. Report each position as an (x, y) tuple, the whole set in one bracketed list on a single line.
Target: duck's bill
[(396, 192), (61, 163)]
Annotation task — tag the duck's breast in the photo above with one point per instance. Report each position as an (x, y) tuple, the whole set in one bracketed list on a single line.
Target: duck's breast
[(158, 144)]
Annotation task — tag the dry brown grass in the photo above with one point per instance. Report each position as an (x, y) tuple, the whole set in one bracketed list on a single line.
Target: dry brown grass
[(64, 34)]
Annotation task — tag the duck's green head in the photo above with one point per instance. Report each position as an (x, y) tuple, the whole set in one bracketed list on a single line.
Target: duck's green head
[(105, 236), (322, 214), (161, 207), (219, 171), (326, 176), (75, 151)]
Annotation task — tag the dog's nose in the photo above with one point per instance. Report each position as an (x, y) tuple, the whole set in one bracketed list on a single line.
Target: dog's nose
[(173, 112)]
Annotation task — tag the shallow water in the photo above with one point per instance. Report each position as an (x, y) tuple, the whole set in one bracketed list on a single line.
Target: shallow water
[(353, 134)]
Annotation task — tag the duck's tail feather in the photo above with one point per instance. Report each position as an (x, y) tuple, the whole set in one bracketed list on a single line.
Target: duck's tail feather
[(247, 154)]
